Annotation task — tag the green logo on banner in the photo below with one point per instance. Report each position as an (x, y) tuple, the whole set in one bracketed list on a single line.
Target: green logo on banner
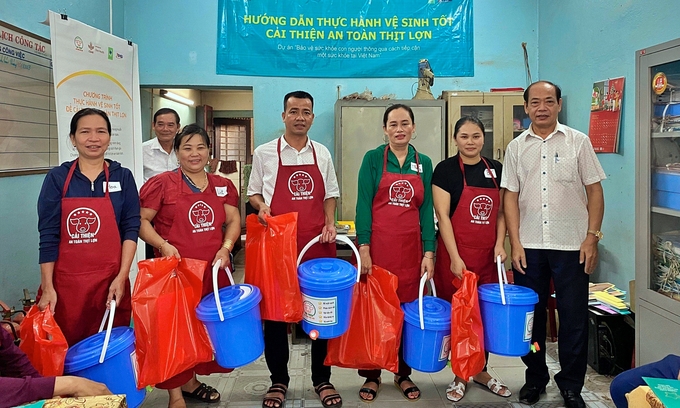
[(110, 53)]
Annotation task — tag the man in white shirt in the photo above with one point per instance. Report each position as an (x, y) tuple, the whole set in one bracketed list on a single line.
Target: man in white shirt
[(158, 153), (295, 174), (553, 209)]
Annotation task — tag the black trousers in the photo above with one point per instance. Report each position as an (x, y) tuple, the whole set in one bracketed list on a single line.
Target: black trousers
[(571, 292), (276, 353)]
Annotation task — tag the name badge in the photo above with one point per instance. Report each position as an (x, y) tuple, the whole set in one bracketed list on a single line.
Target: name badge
[(221, 191), (113, 186), (417, 167), (490, 175)]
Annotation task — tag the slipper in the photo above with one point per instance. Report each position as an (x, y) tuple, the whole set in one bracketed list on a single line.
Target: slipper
[(496, 387), (455, 388), (203, 393), (409, 390), (325, 401), (275, 389), (373, 393)]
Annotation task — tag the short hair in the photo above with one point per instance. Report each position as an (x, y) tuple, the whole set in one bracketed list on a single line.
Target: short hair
[(464, 120), (298, 95), (395, 107), (190, 130), (558, 91), (87, 112), (165, 111)]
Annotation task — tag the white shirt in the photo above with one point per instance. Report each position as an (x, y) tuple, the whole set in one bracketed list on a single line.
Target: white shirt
[(266, 167), (156, 160), (550, 176)]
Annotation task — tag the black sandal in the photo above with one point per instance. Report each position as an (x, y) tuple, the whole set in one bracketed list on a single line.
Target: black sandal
[(372, 392), (324, 401), (277, 389), (409, 390), (203, 393)]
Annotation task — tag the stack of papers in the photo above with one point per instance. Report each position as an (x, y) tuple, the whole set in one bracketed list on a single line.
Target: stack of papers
[(607, 299)]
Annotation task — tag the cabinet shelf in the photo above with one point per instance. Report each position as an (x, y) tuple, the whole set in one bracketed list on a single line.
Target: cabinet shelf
[(665, 135), (666, 211)]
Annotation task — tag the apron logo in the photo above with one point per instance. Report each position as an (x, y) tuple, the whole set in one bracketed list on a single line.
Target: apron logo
[(82, 225), (201, 217), (401, 193), (301, 185), (480, 209)]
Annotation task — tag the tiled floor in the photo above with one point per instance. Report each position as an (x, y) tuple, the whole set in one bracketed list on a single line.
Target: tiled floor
[(245, 387)]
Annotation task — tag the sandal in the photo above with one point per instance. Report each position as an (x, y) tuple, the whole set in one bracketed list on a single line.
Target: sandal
[(275, 389), (203, 393), (496, 387), (455, 391), (372, 392), (325, 401), (406, 392)]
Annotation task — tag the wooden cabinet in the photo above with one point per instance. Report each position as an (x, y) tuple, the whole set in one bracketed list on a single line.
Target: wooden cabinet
[(502, 114)]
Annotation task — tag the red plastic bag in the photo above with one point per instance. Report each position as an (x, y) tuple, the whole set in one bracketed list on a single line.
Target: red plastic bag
[(374, 334), (169, 338), (467, 333), (271, 265), (43, 342)]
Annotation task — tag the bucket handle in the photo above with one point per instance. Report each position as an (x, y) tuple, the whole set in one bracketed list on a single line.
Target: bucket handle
[(216, 269), (107, 337), (340, 238), (423, 279), (502, 276)]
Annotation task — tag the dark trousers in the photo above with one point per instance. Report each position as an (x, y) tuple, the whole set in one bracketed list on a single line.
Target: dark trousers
[(571, 292), (276, 353), (629, 380), (404, 369)]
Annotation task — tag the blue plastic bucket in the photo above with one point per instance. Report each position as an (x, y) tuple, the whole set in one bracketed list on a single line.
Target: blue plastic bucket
[(118, 371), (238, 339), (327, 285), (427, 343), (507, 328)]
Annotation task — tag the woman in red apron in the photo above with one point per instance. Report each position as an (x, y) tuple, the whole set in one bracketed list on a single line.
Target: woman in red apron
[(395, 223), (189, 209), (88, 218), (468, 204)]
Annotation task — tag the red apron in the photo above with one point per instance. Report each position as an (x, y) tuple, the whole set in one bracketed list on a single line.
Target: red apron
[(474, 227), (301, 189), (396, 239), (89, 260), (196, 232)]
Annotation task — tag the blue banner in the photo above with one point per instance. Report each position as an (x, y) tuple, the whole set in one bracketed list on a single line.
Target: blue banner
[(344, 38)]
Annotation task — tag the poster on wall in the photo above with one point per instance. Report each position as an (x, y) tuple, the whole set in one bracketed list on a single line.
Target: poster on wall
[(94, 69), (344, 38), (605, 115)]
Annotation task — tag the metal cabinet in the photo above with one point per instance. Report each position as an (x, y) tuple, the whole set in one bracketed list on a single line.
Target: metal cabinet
[(502, 114), (657, 202), (359, 128)]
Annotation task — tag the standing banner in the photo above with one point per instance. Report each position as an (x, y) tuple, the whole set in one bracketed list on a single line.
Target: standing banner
[(344, 38), (94, 69)]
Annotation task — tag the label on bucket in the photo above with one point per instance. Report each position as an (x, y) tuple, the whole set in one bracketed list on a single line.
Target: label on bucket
[(320, 311), (528, 325), (133, 360), (446, 348)]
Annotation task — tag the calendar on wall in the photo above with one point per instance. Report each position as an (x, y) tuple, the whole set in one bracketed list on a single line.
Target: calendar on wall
[(605, 115)]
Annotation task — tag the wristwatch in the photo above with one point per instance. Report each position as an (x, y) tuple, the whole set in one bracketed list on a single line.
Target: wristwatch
[(598, 234)]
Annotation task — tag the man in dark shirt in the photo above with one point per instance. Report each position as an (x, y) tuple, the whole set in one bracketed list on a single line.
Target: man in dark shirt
[(20, 383)]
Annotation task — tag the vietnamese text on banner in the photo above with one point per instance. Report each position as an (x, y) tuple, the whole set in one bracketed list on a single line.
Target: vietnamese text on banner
[(344, 38)]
